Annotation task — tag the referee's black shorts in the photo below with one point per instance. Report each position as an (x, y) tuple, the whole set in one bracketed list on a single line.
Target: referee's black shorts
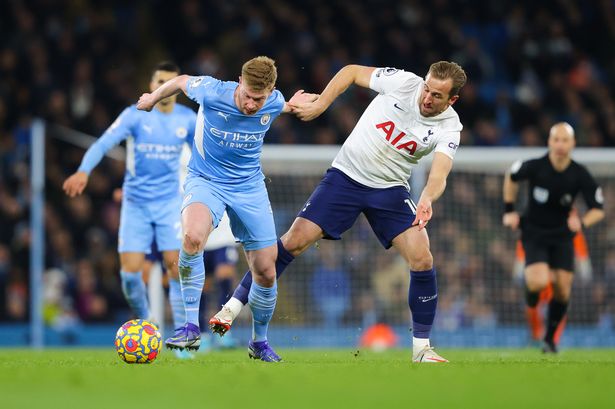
[(558, 252)]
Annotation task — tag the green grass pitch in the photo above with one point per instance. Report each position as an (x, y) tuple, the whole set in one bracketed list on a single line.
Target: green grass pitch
[(516, 379)]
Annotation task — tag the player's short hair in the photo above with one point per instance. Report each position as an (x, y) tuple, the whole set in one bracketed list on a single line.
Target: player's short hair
[(168, 66), (259, 73), (444, 70)]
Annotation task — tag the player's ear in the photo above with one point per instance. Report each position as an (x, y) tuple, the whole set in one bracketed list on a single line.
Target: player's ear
[(453, 99)]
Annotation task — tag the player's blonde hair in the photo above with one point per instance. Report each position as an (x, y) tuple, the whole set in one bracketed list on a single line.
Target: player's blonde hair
[(444, 70), (259, 73)]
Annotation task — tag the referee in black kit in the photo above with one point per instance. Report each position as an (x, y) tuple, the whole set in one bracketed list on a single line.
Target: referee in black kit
[(550, 222)]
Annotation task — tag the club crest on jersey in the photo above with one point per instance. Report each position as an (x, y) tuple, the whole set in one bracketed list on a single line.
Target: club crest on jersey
[(181, 132), (386, 71), (429, 133), (541, 195), (265, 119)]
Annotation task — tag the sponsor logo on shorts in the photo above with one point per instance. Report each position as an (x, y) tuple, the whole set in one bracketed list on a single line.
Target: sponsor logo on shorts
[(187, 198)]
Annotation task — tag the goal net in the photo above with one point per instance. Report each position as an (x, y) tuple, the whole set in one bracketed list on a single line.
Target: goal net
[(337, 290)]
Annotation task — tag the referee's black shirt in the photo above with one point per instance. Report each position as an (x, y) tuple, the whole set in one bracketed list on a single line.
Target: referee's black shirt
[(551, 194)]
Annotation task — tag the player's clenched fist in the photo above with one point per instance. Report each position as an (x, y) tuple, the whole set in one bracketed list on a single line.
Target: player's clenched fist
[(75, 184)]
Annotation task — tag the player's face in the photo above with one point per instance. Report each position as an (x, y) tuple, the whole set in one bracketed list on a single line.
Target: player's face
[(435, 96), (561, 142), (248, 100), (159, 78)]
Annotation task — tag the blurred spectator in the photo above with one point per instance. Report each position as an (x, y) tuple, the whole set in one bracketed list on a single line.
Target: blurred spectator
[(529, 64)]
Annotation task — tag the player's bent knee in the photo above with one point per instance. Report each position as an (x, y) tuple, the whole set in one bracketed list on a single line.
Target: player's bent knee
[(422, 261), (264, 278), (193, 242)]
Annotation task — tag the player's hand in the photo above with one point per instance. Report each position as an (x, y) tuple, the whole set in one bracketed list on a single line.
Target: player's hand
[(574, 221), (306, 111), (75, 184), (146, 102), (301, 97), (511, 220), (424, 212)]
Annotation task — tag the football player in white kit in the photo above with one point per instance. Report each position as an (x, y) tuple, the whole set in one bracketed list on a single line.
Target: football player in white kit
[(409, 119)]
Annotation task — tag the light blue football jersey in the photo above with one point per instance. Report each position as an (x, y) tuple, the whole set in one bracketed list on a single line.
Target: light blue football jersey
[(228, 143), (154, 143)]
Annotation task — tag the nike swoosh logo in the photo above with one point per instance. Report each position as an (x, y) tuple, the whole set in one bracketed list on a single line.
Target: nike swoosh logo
[(398, 107), (426, 299)]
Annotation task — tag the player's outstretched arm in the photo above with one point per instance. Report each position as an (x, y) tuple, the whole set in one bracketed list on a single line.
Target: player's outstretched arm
[(169, 88), (436, 183), (510, 191), (350, 74)]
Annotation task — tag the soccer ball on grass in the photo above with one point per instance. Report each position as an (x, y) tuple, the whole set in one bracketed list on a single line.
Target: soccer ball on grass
[(138, 342)]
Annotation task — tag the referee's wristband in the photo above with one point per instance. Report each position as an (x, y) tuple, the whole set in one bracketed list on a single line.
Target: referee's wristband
[(509, 207)]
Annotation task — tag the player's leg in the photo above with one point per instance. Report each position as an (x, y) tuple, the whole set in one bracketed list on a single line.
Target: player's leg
[(332, 209), (537, 278), (168, 241), (413, 245), (133, 286), (561, 260), (262, 300), (251, 220), (170, 260), (196, 226), (135, 238), (558, 306), (302, 234)]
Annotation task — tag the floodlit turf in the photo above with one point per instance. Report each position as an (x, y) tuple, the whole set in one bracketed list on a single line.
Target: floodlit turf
[(519, 379)]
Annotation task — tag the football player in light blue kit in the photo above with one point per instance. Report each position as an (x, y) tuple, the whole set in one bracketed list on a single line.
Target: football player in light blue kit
[(151, 199), (224, 173)]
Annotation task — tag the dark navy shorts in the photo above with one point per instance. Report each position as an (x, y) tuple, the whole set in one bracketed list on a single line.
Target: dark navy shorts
[(338, 200)]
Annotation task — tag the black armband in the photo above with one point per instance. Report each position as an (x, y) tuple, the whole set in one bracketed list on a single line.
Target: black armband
[(509, 207)]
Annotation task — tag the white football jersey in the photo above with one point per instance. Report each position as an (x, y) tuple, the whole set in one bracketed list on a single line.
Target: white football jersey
[(392, 136)]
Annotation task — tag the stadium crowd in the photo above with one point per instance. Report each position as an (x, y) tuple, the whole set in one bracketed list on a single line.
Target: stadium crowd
[(78, 64)]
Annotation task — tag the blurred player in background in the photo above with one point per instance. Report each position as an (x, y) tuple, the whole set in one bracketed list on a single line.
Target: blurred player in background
[(151, 197), (550, 221), (224, 174), (409, 119)]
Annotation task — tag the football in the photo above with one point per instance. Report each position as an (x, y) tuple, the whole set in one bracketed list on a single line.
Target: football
[(138, 342)]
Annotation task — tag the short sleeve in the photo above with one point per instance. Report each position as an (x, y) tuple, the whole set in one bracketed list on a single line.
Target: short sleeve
[(448, 144), (387, 80), (198, 87), (592, 192), (522, 170)]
